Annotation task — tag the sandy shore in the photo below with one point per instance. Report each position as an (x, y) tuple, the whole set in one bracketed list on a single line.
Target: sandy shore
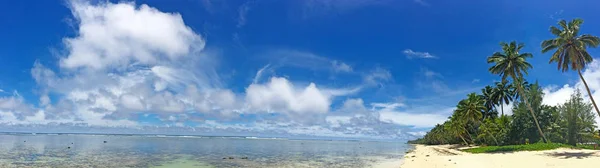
[(444, 156)]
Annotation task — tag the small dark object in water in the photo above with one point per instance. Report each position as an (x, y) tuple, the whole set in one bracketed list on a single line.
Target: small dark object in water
[(69, 147), (71, 143), (104, 141), (224, 158), (426, 155), (244, 157), (230, 157), (24, 141)]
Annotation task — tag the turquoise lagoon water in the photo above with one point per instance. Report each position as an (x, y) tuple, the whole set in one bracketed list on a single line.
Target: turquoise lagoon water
[(70, 150)]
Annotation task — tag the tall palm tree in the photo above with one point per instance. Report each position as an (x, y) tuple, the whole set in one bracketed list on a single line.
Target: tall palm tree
[(571, 49), (511, 63), (502, 94)]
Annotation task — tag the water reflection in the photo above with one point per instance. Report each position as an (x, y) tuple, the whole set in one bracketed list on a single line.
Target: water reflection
[(142, 151)]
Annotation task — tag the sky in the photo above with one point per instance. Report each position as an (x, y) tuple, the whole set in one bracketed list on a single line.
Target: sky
[(356, 69)]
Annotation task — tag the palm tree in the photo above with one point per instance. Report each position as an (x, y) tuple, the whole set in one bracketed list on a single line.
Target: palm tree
[(471, 108), (490, 101), (456, 126), (571, 49), (512, 64), (502, 94)]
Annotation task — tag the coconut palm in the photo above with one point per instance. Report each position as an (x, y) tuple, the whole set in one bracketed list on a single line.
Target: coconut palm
[(489, 100), (571, 49), (502, 94), (456, 126), (511, 63), (471, 108)]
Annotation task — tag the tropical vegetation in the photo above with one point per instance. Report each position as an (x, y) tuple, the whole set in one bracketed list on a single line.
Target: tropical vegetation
[(532, 125)]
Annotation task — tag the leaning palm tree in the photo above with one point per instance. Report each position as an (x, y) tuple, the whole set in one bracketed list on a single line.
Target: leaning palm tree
[(511, 63), (456, 126), (571, 50), (502, 94)]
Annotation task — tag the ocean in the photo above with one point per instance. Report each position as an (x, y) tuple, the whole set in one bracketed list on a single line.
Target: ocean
[(104, 151)]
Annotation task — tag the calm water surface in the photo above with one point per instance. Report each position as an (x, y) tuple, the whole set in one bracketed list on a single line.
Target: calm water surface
[(152, 151)]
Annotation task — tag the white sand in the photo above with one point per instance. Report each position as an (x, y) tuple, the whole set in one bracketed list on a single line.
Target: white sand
[(395, 163), (446, 157)]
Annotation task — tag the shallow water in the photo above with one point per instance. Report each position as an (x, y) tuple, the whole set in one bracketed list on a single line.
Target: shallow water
[(152, 151)]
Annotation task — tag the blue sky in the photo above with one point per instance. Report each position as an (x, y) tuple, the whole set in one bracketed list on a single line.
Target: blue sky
[(375, 69)]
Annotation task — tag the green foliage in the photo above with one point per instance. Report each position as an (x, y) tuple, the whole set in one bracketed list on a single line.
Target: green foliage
[(502, 94), (571, 49), (514, 148), (523, 126), (475, 119), (494, 131), (570, 46), (577, 118), (511, 63)]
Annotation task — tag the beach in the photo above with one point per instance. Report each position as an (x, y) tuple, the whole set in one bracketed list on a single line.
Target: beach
[(447, 156)]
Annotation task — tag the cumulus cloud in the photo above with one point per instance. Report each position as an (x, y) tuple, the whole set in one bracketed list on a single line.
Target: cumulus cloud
[(414, 54), (280, 95), (128, 61), (118, 34)]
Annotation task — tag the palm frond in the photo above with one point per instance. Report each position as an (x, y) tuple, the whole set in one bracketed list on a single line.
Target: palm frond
[(563, 24), (555, 31)]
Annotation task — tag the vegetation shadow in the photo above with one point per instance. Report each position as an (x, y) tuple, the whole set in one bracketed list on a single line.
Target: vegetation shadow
[(568, 155)]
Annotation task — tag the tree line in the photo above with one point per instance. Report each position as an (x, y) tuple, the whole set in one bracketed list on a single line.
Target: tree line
[(476, 119)]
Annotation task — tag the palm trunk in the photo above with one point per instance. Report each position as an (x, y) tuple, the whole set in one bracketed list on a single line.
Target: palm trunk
[(463, 139), (589, 92), (494, 138), (502, 107), (523, 96)]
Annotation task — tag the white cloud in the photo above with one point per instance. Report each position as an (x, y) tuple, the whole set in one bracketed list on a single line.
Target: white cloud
[(242, 12), (419, 118), (414, 54), (301, 59), (418, 133), (281, 95), (259, 73), (117, 34), (127, 60), (340, 66), (377, 76)]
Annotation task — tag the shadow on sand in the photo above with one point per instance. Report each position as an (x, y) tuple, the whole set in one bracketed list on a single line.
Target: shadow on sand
[(569, 155)]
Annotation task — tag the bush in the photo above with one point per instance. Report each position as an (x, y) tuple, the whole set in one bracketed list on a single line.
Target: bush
[(514, 148)]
